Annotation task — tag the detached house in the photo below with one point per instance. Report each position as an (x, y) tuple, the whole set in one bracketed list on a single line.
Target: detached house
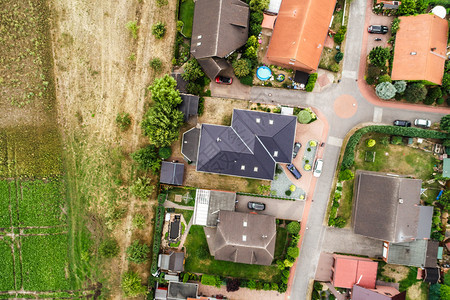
[(420, 48), (220, 27), (299, 34)]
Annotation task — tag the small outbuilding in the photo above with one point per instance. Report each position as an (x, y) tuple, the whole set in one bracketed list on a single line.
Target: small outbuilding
[(172, 173), (189, 106)]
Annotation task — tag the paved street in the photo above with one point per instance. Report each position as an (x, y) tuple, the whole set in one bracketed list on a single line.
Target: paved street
[(317, 237)]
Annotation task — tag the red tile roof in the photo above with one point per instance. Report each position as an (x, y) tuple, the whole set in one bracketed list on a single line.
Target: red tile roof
[(300, 31), (349, 270), (420, 48)]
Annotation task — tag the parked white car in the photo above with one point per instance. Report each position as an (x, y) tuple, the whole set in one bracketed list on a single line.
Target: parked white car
[(422, 123), (318, 168)]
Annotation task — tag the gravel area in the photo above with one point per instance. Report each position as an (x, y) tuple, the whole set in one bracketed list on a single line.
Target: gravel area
[(309, 155), (241, 294), (281, 184)]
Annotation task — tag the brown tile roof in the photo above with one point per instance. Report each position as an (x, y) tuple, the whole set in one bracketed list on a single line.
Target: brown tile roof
[(426, 36), (300, 32), (245, 238), (220, 27)]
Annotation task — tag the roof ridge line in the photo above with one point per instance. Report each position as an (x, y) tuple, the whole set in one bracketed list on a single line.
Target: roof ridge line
[(231, 126), (216, 44), (257, 137), (295, 120)]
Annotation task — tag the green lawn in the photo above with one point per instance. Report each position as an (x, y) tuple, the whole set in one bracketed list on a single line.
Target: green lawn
[(199, 260), (281, 242), (187, 214), (6, 266), (183, 192), (346, 202), (187, 16)]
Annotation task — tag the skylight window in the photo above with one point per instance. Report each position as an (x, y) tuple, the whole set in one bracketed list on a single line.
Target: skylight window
[(258, 120), (199, 43), (243, 167), (255, 169), (245, 224), (275, 153), (271, 122), (244, 238), (199, 37)]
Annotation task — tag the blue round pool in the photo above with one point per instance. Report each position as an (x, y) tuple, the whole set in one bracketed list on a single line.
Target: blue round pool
[(263, 73)]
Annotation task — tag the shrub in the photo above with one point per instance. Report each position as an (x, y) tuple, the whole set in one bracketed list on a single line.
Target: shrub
[(255, 29), (385, 90), (307, 167), (133, 28), (192, 71), (156, 64), (432, 95), (131, 285), (293, 227), (147, 158), (256, 17), (370, 80), (159, 30), (446, 81), (415, 92), (282, 288), (335, 68), (266, 287), (292, 188), (395, 25), (137, 252), (274, 286), (288, 192), (400, 86), (185, 277), (247, 80), (165, 152), (180, 25), (233, 285), (258, 5), (311, 82), (162, 2), (251, 52), (384, 140), (241, 67), (293, 252), (397, 140), (440, 101), (108, 248), (304, 117), (370, 143), (445, 123), (339, 56), (373, 71), (251, 284), (384, 78), (313, 143), (123, 120), (210, 280), (139, 221), (340, 35), (142, 188), (378, 56), (346, 175)]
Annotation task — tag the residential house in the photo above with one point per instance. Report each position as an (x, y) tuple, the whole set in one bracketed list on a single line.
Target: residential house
[(417, 253), (379, 293), (243, 238), (420, 48), (250, 147), (220, 27), (171, 173), (172, 263), (350, 270), (208, 204), (299, 35)]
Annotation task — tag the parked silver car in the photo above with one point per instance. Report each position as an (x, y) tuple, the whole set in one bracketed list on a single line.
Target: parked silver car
[(422, 123)]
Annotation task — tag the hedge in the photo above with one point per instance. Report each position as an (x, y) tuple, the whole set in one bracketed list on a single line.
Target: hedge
[(210, 280), (159, 221), (311, 82), (349, 154)]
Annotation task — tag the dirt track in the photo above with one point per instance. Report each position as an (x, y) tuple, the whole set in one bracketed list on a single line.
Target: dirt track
[(95, 80)]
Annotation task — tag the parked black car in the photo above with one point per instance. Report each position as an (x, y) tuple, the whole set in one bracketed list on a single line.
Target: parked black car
[(402, 123), (256, 206), (378, 29), (297, 147), (294, 171)]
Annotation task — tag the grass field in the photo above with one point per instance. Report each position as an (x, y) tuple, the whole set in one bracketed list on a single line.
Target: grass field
[(186, 15), (200, 261)]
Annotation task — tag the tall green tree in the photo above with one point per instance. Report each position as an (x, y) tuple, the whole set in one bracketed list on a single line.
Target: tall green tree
[(415, 92), (408, 7), (192, 71), (259, 5), (378, 56), (164, 91), (445, 123)]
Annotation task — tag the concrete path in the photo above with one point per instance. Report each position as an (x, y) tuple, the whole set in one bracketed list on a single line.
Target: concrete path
[(170, 204)]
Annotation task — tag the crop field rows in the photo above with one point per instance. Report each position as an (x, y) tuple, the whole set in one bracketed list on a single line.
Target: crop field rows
[(33, 240)]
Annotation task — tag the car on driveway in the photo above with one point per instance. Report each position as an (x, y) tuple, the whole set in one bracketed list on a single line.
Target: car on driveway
[(256, 206), (224, 80), (424, 123), (318, 168), (294, 171), (378, 29), (297, 147), (402, 123)]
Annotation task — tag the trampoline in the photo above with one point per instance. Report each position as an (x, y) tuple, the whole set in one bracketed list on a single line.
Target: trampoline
[(281, 78), (263, 73)]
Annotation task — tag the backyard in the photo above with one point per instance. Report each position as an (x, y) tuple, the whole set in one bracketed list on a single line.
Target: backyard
[(406, 277), (186, 15), (389, 158), (198, 260)]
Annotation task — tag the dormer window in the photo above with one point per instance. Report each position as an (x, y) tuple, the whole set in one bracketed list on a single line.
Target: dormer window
[(258, 120), (243, 167)]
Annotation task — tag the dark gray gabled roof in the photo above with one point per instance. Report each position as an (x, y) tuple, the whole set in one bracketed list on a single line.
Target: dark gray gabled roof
[(188, 106), (387, 207), (181, 83), (172, 262), (172, 173), (250, 147), (418, 253), (245, 238), (220, 27), (189, 147), (181, 291), (213, 66)]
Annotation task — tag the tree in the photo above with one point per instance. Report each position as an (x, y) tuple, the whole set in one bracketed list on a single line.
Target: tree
[(156, 64), (142, 188), (251, 52), (165, 152), (378, 56), (241, 67), (445, 291), (293, 227), (255, 29), (415, 92), (445, 123), (432, 95), (400, 86), (408, 7), (192, 71), (340, 35), (385, 90), (133, 28), (395, 25), (293, 252), (252, 42), (446, 81), (131, 285), (233, 285), (164, 91), (108, 248), (137, 252), (435, 292), (258, 5), (159, 30), (345, 175), (147, 158)]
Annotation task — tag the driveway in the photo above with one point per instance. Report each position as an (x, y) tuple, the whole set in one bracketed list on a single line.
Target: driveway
[(236, 90), (281, 209)]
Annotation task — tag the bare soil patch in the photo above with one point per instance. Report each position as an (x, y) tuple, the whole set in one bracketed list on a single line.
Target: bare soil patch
[(396, 272), (219, 110)]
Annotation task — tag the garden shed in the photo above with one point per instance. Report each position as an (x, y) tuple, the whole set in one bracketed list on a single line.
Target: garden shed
[(172, 173)]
